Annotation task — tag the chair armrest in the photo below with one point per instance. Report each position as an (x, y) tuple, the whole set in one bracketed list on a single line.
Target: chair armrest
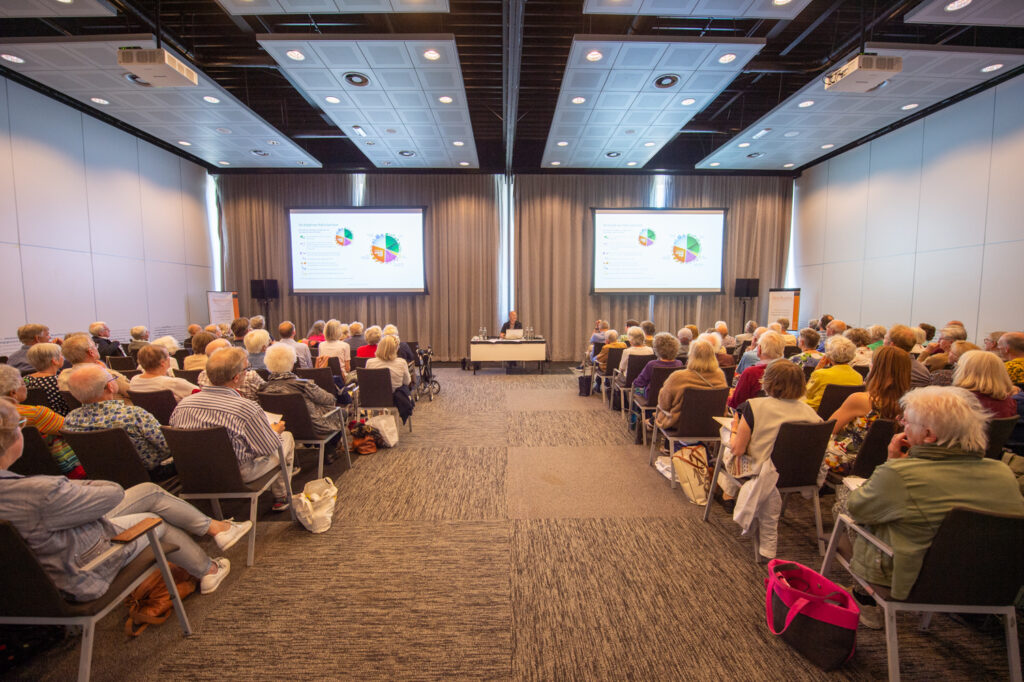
[(328, 414), (616, 372), (864, 533), (122, 538)]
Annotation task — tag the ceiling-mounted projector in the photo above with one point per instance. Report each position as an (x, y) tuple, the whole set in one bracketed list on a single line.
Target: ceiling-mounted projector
[(157, 68), (863, 73)]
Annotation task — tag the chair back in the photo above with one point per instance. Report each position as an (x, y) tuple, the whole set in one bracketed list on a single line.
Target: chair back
[(129, 373), (293, 409), (414, 347), (120, 363), (25, 589), (189, 375), (863, 370), (808, 371), (975, 559), (659, 375), (790, 351), (359, 363), (730, 374), (160, 404), (205, 460), (375, 388), (70, 400), (36, 396), (744, 345), (263, 373), (36, 458), (108, 455), (334, 364), (999, 431), (597, 349), (321, 376), (180, 356), (798, 452), (834, 396), (700, 406), (875, 448), (634, 365), (614, 358)]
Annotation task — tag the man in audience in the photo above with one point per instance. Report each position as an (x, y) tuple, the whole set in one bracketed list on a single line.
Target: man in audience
[(251, 382), (748, 333), (213, 329), (257, 322), (257, 444), (788, 339), (193, 329), (723, 330), (105, 345), (287, 332), (1011, 347), (79, 350), (155, 362), (140, 338), (749, 358), (95, 387), (834, 368), (355, 339), (877, 332), (769, 349), (239, 328), (936, 355), (649, 331), (29, 335), (833, 328), (685, 337), (903, 337), (611, 341)]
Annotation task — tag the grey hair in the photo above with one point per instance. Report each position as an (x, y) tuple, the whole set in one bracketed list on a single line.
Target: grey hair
[(10, 380), (389, 330), (257, 340), (256, 322), (714, 338), (372, 335), (225, 364), (76, 348), (138, 332), (877, 332), (684, 335), (611, 336), (636, 336), (42, 354), (355, 328), (953, 414), (280, 358), (332, 332), (750, 326), (88, 382), (167, 342), (721, 323), (96, 327), (839, 349), (666, 346), (770, 344), (953, 333)]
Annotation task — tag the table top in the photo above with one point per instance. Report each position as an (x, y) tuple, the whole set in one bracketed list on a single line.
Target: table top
[(502, 341)]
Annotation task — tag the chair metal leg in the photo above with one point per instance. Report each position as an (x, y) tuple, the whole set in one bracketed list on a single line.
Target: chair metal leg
[(817, 523), (755, 537), (85, 659), (714, 480), (833, 543), (320, 463), (217, 512), (654, 439), (250, 556), (1012, 646), (891, 644), (165, 571)]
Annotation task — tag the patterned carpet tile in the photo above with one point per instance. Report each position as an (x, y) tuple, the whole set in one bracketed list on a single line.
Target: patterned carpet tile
[(566, 428), (544, 399), (407, 483)]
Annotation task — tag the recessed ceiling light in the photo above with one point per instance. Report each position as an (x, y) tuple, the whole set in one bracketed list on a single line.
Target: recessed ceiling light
[(613, 155), (357, 79), (563, 143), (65, 2), (370, 143), (791, 133), (806, 103), (390, 131), (224, 163), (760, 133), (358, 130), (463, 163), (12, 58), (223, 131), (631, 163), (579, 100), (594, 56), (259, 152), (445, 99), (755, 155), (648, 144), (99, 100), (432, 55), (827, 146), (726, 58), (458, 143), (714, 164), (688, 101), (780, 3), (184, 143), (956, 5), (406, 153), (788, 165), (273, 142), (556, 163), (331, 99), (385, 163), (211, 99), (295, 55), (666, 81), (991, 67), (908, 107), (743, 145)]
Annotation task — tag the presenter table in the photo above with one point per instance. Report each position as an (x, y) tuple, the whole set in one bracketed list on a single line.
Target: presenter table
[(503, 350)]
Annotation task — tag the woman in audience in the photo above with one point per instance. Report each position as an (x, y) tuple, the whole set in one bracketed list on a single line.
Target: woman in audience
[(315, 334), (62, 521), (156, 363), (47, 360), (649, 331), (944, 376), (198, 358), (387, 358), (985, 375), (637, 346), (920, 339), (170, 344), (702, 371), (404, 351), (372, 335), (861, 338), (256, 343), (666, 348), (807, 342), (43, 419), (334, 345), (748, 455), (140, 338), (991, 341), (724, 358), (834, 368), (224, 331), (888, 381), (769, 349), (611, 341)]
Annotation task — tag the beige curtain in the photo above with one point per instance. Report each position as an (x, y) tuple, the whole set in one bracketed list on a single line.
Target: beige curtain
[(461, 251), (553, 242)]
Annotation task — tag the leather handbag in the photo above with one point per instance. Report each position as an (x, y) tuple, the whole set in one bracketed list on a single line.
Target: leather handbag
[(150, 603)]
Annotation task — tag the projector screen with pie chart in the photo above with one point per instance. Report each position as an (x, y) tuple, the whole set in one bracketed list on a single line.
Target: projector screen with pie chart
[(658, 251), (357, 250)]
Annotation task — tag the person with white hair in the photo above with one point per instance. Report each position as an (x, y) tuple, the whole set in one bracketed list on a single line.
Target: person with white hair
[(749, 357), (140, 338), (334, 346), (685, 336), (105, 345), (723, 330), (404, 351), (387, 358), (170, 344), (748, 332), (769, 349), (355, 339), (369, 347), (834, 368), (715, 339), (251, 382), (29, 335), (936, 355), (937, 463), (47, 360), (47, 422), (637, 346), (80, 350), (257, 322), (156, 365), (666, 348), (256, 343), (611, 341)]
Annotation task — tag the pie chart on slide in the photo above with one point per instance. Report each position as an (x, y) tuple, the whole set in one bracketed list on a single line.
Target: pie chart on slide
[(686, 248), (385, 248), (646, 237), (343, 236)]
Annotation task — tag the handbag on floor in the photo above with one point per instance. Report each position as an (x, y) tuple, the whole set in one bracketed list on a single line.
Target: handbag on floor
[(691, 464), (315, 506), (385, 425), (586, 384), (811, 613), (150, 603)]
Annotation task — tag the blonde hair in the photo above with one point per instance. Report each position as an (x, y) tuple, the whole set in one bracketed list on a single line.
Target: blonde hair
[(702, 357), (984, 372), (372, 335), (387, 349), (636, 336), (41, 355), (332, 332)]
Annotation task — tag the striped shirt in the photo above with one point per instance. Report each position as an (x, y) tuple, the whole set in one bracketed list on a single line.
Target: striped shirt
[(246, 424), (250, 386)]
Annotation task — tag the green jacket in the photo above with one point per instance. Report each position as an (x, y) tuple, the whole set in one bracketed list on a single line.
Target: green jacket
[(906, 500)]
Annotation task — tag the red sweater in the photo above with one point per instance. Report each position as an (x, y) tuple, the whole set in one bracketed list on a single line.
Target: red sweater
[(748, 386)]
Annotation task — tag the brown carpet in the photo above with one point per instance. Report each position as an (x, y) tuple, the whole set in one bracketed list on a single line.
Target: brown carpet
[(515, 534)]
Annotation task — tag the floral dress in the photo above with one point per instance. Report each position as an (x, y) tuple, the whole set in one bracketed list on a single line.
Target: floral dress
[(844, 446)]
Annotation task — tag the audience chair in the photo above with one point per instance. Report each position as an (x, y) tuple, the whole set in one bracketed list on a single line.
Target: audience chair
[(696, 423), (999, 431), (158, 403), (121, 364), (129, 373), (413, 346), (180, 356), (108, 455), (808, 371), (70, 400), (862, 370), (834, 397), (36, 396), (334, 364), (321, 376), (29, 597), (634, 365), (208, 469), (744, 345), (730, 374), (36, 458), (359, 363), (293, 409), (263, 373), (790, 351), (614, 357), (875, 448), (189, 375), (374, 393), (649, 405), (974, 565), (593, 366)]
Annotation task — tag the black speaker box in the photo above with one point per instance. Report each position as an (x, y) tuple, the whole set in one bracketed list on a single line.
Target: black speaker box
[(257, 289), (270, 286), (747, 288)]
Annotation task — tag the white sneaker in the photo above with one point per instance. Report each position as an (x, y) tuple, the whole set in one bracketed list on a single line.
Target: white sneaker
[(211, 581), (227, 539)]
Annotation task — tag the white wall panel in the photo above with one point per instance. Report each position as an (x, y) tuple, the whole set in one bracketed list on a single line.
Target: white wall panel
[(811, 194), (847, 205), (12, 312), (8, 208), (161, 204), (49, 170), (946, 286), (840, 290), (120, 285), (808, 278), (1005, 195), (193, 208), (955, 175), (1001, 306), (112, 178), (894, 192), (887, 290), (58, 288), (200, 280), (167, 293)]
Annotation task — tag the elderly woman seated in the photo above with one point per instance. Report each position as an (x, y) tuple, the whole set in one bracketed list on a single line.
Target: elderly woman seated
[(80, 350), (985, 376), (369, 350), (170, 344), (861, 338), (198, 358), (334, 346), (611, 341), (256, 343), (944, 376), (685, 337), (724, 359), (63, 521), (47, 360), (140, 338), (747, 460), (637, 346), (769, 349), (807, 342), (702, 371), (315, 335), (936, 463), (404, 351), (666, 347), (387, 358), (834, 368), (156, 363), (43, 419)]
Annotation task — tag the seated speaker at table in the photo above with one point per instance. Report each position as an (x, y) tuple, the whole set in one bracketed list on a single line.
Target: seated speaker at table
[(513, 323)]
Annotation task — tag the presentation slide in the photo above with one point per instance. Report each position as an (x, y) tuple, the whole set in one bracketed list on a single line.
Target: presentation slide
[(655, 251), (357, 250)]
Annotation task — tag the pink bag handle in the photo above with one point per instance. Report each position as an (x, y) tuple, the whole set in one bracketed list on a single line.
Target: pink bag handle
[(797, 606)]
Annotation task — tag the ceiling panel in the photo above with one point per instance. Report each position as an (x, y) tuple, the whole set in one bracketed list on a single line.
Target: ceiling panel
[(205, 120), (11, 9), (968, 13), (791, 135), (625, 97), (740, 9), (402, 102), (329, 6)]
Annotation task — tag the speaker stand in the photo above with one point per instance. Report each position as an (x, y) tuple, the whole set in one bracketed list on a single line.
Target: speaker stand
[(743, 319)]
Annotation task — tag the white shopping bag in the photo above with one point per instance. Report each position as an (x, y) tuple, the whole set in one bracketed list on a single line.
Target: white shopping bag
[(314, 507)]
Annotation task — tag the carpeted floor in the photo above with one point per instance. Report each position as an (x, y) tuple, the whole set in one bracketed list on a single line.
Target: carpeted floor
[(515, 534)]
